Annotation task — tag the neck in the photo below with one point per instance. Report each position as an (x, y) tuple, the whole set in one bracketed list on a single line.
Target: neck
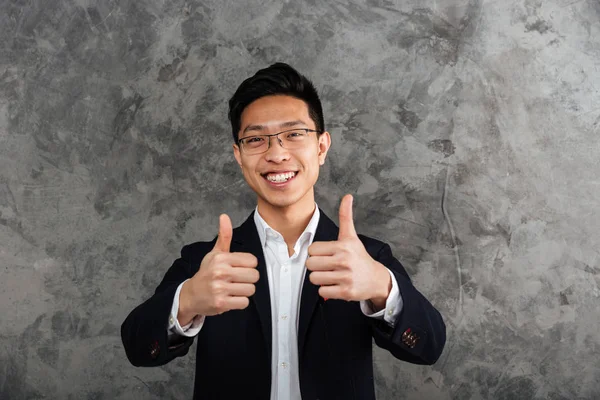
[(289, 221)]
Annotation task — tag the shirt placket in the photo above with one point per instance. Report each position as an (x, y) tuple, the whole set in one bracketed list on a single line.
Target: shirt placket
[(285, 306)]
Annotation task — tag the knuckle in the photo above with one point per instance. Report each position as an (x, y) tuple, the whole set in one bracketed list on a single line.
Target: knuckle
[(217, 286), (347, 280), (215, 274), (347, 293), (345, 261), (219, 303), (219, 273)]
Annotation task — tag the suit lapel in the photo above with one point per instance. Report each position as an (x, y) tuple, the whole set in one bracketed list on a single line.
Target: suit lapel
[(326, 231), (245, 239)]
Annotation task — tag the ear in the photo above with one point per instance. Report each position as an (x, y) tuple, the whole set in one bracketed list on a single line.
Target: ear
[(237, 155), (324, 144)]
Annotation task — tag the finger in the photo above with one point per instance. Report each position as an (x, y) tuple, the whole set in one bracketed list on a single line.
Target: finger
[(242, 260), (225, 233), (325, 278), (346, 222), (236, 302), (323, 248), (321, 263), (242, 289), (244, 275), (331, 292)]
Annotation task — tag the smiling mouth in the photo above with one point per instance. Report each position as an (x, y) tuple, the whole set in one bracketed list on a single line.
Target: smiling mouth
[(279, 177)]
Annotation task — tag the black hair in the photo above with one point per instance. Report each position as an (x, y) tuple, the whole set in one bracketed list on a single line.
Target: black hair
[(277, 79)]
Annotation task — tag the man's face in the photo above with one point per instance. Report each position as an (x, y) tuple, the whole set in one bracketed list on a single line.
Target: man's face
[(273, 114)]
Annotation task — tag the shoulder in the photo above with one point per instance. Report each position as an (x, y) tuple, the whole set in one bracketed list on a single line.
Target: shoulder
[(196, 250), (371, 244)]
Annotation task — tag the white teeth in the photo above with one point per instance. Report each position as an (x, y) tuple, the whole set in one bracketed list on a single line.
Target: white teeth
[(280, 177)]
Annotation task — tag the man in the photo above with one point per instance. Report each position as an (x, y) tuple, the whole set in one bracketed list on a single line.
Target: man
[(286, 305)]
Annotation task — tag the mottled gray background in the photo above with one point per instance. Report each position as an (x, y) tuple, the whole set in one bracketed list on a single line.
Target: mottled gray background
[(467, 130)]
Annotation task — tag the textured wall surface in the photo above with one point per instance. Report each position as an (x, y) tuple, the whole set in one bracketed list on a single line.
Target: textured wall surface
[(467, 130)]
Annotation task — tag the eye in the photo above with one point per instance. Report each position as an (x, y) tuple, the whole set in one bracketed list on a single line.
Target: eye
[(254, 140), (296, 135)]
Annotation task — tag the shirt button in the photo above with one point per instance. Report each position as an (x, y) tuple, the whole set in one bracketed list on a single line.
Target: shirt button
[(391, 311), (171, 320), (284, 365), (284, 317)]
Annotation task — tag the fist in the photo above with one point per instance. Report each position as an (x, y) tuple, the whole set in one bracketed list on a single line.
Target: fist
[(223, 282), (343, 268)]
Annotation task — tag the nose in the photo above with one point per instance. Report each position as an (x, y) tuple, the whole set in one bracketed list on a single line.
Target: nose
[(276, 152)]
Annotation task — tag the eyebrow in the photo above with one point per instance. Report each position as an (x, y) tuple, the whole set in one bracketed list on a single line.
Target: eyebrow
[(288, 124)]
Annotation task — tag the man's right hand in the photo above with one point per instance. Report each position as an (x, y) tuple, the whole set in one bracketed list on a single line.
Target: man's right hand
[(224, 281)]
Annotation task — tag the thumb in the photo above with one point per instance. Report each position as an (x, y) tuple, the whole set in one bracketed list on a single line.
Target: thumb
[(346, 222), (225, 234)]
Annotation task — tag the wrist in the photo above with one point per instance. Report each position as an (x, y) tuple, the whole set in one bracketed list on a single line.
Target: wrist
[(184, 314), (383, 288)]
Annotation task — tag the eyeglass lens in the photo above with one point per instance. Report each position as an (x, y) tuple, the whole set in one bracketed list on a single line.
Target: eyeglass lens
[(293, 139)]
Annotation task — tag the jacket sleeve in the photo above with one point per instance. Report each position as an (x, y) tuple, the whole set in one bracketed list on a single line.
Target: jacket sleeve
[(144, 331), (418, 335)]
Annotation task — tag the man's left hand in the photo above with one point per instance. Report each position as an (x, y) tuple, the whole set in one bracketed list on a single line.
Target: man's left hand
[(344, 269)]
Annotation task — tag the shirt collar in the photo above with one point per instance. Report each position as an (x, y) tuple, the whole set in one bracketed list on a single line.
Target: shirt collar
[(264, 230)]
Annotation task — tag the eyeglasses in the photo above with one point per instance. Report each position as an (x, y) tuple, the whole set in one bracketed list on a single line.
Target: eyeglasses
[(291, 139)]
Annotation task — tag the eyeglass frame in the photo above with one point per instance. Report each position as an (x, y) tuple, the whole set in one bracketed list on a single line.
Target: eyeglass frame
[(276, 135)]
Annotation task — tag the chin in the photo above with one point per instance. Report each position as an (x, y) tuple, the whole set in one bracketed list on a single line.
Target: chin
[(280, 201), (283, 199)]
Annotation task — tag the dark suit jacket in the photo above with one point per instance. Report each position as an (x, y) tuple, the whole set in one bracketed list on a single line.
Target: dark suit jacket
[(233, 356)]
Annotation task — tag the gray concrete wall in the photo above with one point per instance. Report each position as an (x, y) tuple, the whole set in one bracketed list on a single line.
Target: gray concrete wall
[(467, 130)]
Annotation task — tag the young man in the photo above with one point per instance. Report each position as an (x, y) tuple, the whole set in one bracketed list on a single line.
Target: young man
[(286, 305)]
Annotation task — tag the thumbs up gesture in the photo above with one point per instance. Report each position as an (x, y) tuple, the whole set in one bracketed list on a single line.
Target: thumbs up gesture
[(344, 269), (224, 281)]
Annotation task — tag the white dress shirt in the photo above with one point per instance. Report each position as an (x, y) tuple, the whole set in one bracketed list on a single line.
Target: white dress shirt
[(285, 276)]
